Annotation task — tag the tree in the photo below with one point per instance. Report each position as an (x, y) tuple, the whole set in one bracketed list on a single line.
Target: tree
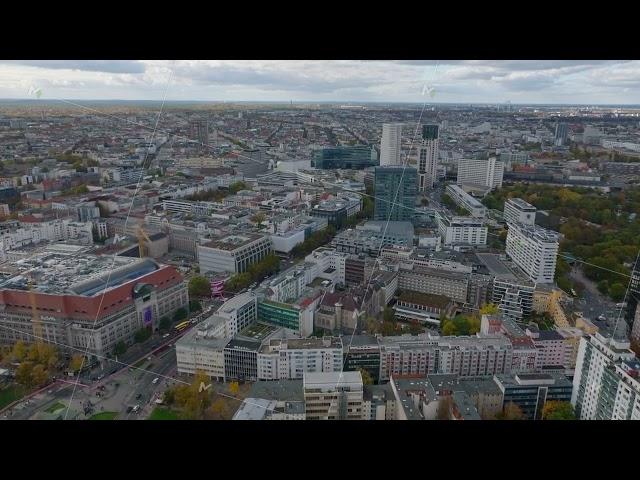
[(165, 323), (39, 375), (180, 314), (120, 348), (388, 315), (199, 286), (511, 411), (367, 379), (195, 306), (444, 407), (258, 218), (142, 335), (489, 309), (19, 351), (234, 388), (23, 374), (617, 291), (76, 363), (556, 410)]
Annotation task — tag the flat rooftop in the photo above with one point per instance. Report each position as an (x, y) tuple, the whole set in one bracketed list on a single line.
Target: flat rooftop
[(231, 242), (76, 274), (520, 204)]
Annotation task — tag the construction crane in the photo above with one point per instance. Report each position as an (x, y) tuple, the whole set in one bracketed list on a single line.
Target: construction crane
[(142, 237), (36, 321)]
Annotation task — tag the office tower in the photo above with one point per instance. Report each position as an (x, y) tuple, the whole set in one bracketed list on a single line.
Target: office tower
[(395, 189), (480, 172), (605, 384), (517, 210), (428, 157), (200, 133), (391, 144), (350, 158), (561, 134), (534, 249)]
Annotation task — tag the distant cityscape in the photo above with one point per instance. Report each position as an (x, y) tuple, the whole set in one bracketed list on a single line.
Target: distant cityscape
[(319, 261)]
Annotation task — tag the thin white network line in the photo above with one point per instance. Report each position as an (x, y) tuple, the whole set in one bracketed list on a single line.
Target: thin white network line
[(364, 297), (115, 253), (129, 365)]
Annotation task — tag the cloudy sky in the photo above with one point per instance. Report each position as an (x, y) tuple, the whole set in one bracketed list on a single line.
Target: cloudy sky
[(545, 81)]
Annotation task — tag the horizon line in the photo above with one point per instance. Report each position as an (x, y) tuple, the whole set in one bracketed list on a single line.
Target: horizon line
[(341, 102)]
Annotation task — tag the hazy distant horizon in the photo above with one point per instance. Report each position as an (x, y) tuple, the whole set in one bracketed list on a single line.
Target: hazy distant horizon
[(61, 102), (453, 82)]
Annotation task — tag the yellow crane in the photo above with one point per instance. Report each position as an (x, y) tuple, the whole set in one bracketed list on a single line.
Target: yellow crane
[(142, 237)]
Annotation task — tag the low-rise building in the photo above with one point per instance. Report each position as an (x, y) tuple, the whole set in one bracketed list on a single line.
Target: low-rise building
[(333, 396)]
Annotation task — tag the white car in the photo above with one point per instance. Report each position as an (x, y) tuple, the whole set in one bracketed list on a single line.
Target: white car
[(156, 380)]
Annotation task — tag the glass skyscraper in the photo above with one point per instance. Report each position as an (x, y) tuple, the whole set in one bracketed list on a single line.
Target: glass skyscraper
[(355, 158), (395, 193)]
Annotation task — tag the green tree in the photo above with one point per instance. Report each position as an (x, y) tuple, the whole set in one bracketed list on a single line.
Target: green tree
[(120, 348), (195, 306), (556, 410), (142, 335), (165, 323), (199, 286), (617, 291), (388, 314), (180, 314)]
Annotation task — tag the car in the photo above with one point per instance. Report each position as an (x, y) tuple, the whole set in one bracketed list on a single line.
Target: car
[(155, 380), (136, 408), (129, 409), (139, 396), (165, 335)]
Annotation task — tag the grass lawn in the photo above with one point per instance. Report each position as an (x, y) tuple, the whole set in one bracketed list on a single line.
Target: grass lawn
[(163, 414), (55, 407), (11, 394), (104, 416)]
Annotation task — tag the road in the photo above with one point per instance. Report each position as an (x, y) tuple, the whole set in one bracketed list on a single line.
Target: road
[(593, 303), (125, 386)]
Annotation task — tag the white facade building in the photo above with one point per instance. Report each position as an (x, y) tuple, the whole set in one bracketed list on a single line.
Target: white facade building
[(534, 249), (517, 210), (290, 359), (391, 144), (333, 396), (486, 173), (428, 157), (462, 230), (605, 384)]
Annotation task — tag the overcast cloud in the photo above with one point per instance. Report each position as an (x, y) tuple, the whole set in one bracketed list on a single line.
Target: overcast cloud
[(519, 81)]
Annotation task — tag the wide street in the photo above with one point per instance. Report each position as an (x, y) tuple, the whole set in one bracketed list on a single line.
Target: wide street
[(123, 384)]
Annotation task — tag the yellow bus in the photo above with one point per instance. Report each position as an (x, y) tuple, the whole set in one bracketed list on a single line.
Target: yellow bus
[(181, 326)]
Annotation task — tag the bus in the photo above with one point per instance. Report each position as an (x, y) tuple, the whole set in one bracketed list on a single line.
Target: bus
[(181, 326)]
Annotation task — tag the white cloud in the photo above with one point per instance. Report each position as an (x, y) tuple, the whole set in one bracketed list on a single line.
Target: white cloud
[(540, 81)]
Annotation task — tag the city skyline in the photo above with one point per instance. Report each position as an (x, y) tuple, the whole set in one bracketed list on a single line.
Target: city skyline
[(550, 82)]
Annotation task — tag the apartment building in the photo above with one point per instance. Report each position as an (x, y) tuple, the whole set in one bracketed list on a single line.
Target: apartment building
[(534, 249), (462, 230), (290, 359), (517, 210)]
